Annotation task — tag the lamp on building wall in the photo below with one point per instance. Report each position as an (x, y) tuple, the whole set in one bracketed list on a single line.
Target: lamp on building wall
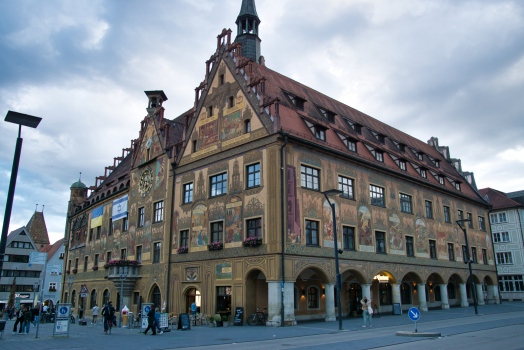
[(323, 291), (467, 260), (32, 122), (336, 192), (303, 292)]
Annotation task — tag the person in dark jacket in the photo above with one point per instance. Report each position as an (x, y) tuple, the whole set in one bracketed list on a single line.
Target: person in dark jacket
[(108, 312), (27, 320), (19, 320), (151, 321)]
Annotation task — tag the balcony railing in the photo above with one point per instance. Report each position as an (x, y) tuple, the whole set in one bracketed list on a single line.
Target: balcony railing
[(116, 271)]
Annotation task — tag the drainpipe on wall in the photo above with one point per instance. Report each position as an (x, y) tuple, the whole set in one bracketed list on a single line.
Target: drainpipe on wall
[(283, 192), (494, 257), (170, 236)]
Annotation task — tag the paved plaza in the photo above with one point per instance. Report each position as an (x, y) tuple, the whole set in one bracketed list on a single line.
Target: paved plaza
[(504, 321)]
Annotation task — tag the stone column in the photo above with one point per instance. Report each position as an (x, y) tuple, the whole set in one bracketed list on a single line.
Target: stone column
[(480, 294), (366, 290), (330, 302), (421, 291), (395, 292), (444, 296), (463, 295), (493, 294), (274, 301), (289, 304)]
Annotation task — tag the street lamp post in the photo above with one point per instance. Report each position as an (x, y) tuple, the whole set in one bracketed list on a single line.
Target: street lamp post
[(32, 122), (123, 275), (469, 261), (335, 192)]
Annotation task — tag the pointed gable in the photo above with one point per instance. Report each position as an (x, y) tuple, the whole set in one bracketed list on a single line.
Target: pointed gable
[(150, 143), (37, 229), (226, 117)]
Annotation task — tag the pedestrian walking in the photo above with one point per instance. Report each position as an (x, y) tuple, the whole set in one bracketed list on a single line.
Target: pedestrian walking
[(367, 311), (36, 315), (193, 308), (108, 312), (157, 320), (151, 321), (95, 314), (19, 320), (27, 320)]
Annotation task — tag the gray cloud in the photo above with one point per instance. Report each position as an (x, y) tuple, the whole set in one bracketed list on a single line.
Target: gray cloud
[(449, 69)]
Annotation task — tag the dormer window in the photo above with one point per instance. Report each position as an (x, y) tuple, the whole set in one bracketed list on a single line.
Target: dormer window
[(402, 164), (380, 138), (457, 186), (420, 156), (296, 101), (437, 163), (377, 154), (400, 146), (423, 173), (317, 130), (330, 116), (350, 143), (441, 180), (355, 126)]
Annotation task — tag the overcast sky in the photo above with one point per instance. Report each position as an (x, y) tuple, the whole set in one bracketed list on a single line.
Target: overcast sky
[(449, 69)]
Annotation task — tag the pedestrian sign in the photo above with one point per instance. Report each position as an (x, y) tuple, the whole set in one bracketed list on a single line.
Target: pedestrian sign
[(63, 311), (414, 314), (84, 293)]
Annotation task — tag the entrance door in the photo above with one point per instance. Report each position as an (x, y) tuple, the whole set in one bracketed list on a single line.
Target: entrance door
[(355, 295), (157, 298), (192, 296)]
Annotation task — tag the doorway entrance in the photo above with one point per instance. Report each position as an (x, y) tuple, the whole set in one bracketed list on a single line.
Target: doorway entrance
[(156, 298), (355, 296), (193, 296)]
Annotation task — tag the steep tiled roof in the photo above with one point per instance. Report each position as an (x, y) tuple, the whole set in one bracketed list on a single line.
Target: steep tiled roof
[(51, 249), (293, 122), (13, 234), (498, 199), (37, 229)]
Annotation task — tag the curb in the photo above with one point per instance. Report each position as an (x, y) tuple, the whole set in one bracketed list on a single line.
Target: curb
[(418, 334)]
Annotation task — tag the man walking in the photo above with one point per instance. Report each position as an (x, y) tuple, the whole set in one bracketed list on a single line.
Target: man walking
[(108, 312), (151, 321), (95, 314)]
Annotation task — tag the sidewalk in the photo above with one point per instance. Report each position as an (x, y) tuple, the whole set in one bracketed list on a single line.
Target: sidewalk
[(93, 337)]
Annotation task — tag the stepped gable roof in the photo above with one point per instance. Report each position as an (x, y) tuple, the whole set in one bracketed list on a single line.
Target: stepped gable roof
[(120, 170), (292, 121), (37, 229), (51, 249), (498, 199)]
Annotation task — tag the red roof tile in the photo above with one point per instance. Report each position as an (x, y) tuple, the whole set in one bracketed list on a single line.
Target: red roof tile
[(498, 199)]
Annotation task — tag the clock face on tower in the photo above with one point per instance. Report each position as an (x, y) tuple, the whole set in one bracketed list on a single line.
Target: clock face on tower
[(146, 182)]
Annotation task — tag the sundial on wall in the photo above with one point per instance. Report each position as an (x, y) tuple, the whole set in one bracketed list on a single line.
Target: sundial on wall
[(146, 182)]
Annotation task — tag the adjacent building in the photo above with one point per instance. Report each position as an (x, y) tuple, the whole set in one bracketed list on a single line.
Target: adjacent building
[(506, 220), (224, 205), (53, 274)]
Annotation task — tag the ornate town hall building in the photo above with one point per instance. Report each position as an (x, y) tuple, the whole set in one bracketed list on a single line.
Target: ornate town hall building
[(223, 205)]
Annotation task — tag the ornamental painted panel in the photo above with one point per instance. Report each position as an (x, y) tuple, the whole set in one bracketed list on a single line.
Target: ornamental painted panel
[(422, 241), (364, 227), (328, 221), (224, 271), (192, 274), (232, 125), (199, 226), (293, 209), (234, 220), (458, 247), (159, 173), (207, 132), (395, 235), (442, 243)]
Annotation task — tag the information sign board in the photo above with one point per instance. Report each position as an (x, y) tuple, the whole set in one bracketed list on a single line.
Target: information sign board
[(61, 327), (163, 320), (63, 311), (396, 309), (183, 322), (146, 307)]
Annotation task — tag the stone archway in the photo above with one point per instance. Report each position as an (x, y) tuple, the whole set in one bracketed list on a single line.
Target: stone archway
[(437, 288), (155, 296), (257, 295), (192, 295), (315, 295), (384, 291), (413, 291), (351, 292)]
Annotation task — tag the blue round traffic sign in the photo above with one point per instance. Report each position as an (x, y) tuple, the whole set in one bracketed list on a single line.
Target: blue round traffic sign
[(147, 309), (414, 314), (63, 310)]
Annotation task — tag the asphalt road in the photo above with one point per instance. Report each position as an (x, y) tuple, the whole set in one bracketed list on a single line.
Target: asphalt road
[(497, 327)]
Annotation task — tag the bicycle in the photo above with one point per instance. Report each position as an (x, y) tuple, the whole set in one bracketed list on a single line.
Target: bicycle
[(109, 326), (259, 317)]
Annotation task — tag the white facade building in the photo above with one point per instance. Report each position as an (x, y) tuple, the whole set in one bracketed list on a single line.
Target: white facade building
[(53, 277), (506, 219)]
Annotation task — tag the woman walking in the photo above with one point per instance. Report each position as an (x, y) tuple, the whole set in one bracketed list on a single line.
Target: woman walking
[(367, 311)]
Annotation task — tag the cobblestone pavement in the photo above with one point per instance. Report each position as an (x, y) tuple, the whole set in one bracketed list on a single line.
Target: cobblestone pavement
[(448, 322)]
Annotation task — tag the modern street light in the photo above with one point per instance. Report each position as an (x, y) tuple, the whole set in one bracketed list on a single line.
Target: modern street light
[(123, 274), (32, 122), (335, 192), (467, 260)]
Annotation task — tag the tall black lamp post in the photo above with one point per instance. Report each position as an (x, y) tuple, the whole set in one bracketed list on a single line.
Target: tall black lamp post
[(32, 122), (335, 192), (467, 260)]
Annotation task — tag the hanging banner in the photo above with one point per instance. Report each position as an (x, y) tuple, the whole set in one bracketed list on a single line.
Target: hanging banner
[(120, 208), (96, 216)]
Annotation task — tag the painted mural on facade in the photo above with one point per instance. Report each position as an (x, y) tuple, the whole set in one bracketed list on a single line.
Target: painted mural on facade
[(232, 125), (199, 226), (159, 173), (441, 241), (293, 209), (328, 223), (395, 235), (207, 133), (422, 242), (150, 144), (364, 227), (458, 247), (233, 220)]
